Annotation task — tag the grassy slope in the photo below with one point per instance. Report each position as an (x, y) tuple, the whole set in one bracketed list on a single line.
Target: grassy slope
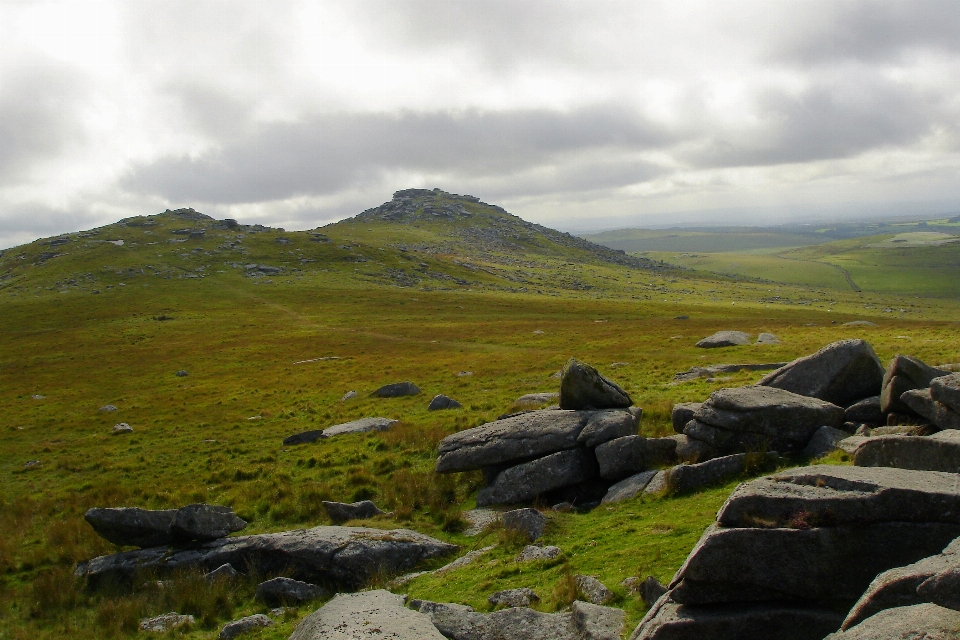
[(239, 338)]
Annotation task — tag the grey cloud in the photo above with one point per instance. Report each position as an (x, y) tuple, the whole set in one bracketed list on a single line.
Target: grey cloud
[(327, 154), (38, 115)]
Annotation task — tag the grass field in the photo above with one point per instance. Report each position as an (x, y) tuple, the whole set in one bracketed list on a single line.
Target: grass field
[(250, 341)]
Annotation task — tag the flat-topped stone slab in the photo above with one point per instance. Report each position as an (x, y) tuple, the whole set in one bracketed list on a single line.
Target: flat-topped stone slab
[(362, 425), (371, 614), (922, 621), (939, 452)]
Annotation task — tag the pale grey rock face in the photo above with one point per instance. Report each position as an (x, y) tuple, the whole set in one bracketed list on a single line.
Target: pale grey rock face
[(946, 390), (921, 621), (724, 339), (671, 621), (341, 511), (362, 425), (842, 373), (346, 557), (594, 622), (582, 387), (531, 553), (132, 526), (530, 521), (939, 452), (767, 338), (396, 390), (835, 495), (522, 597), (683, 413), (353, 615), (205, 522), (604, 426), (243, 625), (593, 590), (165, 622), (904, 374), (520, 437), (441, 402), (287, 591), (479, 520), (223, 572), (526, 481), (824, 440), (121, 428), (628, 488)]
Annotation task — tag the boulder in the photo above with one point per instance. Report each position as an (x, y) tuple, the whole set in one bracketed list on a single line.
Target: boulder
[(305, 437), (939, 452), (866, 411), (522, 597), (121, 428), (651, 590), (921, 402), (595, 622), (690, 450), (244, 625), (529, 521), (514, 439), (526, 481), (441, 402), (683, 413), (631, 454), (287, 591), (920, 621), (349, 395), (668, 620), (204, 522), (750, 418), (582, 387), (165, 622), (341, 511), (724, 339), (903, 374), (686, 478), (767, 338), (346, 557), (479, 520), (132, 526), (396, 390), (532, 552), (604, 426), (593, 590), (946, 390), (824, 441), (223, 572), (359, 426), (628, 488), (842, 373), (823, 495), (355, 615), (942, 589)]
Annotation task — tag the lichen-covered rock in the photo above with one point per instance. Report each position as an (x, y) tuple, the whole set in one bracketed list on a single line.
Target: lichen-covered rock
[(356, 615), (243, 625), (287, 591), (132, 526), (441, 402), (204, 522), (632, 454), (529, 521), (522, 597), (396, 390), (903, 374)]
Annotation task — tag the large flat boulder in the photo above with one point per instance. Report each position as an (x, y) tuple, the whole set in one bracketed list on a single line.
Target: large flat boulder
[(842, 495), (370, 614), (132, 526), (362, 425), (939, 452), (903, 374), (396, 390), (724, 339), (584, 621), (632, 454), (582, 387), (747, 418), (900, 586), (526, 481), (341, 556), (514, 439), (918, 622), (604, 426), (686, 478), (841, 373), (816, 564), (682, 413), (204, 522), (668, 620)]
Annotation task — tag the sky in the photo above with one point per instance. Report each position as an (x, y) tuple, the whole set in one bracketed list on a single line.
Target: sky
[(578, 115)]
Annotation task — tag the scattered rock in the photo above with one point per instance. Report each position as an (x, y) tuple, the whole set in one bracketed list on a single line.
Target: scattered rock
[(683, 413), (939, 452), (905, 373), (204, 522), (223, 572), (244, 625), (532, 552), (121, 428), (305, 437), (360, 426), (479, 520), (396, 390), (37, 396), (530, 521), (582, 387), (866, 411), (356, 615), (349, 395), (131, 526), (767, 338), (919, 621), (341, 512), (630, 455), (522, 597), (182, 373), (749, 418), (843, 372), (626, 489), (287, 591), (107, 408), (441, 401), (165, 622), (536, 399), (464, 374), (345, 557), (527, 481), (824, 441), (724, 339), (617, 365), (593, 590)]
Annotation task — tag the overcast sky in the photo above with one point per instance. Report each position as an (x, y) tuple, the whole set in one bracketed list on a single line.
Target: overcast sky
[(577, 115)]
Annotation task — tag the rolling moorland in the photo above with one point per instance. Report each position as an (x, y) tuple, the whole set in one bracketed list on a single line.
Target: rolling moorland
[(272, 328)]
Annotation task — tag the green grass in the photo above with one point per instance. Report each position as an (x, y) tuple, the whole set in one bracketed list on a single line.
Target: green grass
[(240, 339)]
